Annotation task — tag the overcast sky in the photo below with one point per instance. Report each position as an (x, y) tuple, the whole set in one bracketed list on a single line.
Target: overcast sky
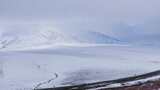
[(123, 18)]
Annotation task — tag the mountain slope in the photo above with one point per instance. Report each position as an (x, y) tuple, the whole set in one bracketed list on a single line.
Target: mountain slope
[(33, 36)]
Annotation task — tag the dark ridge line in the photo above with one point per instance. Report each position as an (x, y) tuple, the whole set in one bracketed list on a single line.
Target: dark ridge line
[(104, 83)]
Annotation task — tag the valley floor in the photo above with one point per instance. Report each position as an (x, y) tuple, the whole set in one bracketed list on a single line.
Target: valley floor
[(63, 66)]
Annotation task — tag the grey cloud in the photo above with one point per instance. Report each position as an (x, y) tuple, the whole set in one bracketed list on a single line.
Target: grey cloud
[(63, 8)]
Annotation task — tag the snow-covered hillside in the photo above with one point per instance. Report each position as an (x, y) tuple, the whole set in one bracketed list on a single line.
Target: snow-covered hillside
[(44, 56)]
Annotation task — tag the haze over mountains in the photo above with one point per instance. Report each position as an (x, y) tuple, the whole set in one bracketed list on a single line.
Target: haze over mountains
[(119, 20)]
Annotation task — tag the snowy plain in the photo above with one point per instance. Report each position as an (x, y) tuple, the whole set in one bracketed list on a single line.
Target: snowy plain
[(40, 56), (72, 65), (52, 43)]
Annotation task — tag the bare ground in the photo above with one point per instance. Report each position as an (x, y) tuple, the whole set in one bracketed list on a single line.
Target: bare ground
[(150, 85)]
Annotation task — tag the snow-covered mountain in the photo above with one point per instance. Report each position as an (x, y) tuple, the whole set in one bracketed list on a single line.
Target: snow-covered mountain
[(33, 36), (96, 37)]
